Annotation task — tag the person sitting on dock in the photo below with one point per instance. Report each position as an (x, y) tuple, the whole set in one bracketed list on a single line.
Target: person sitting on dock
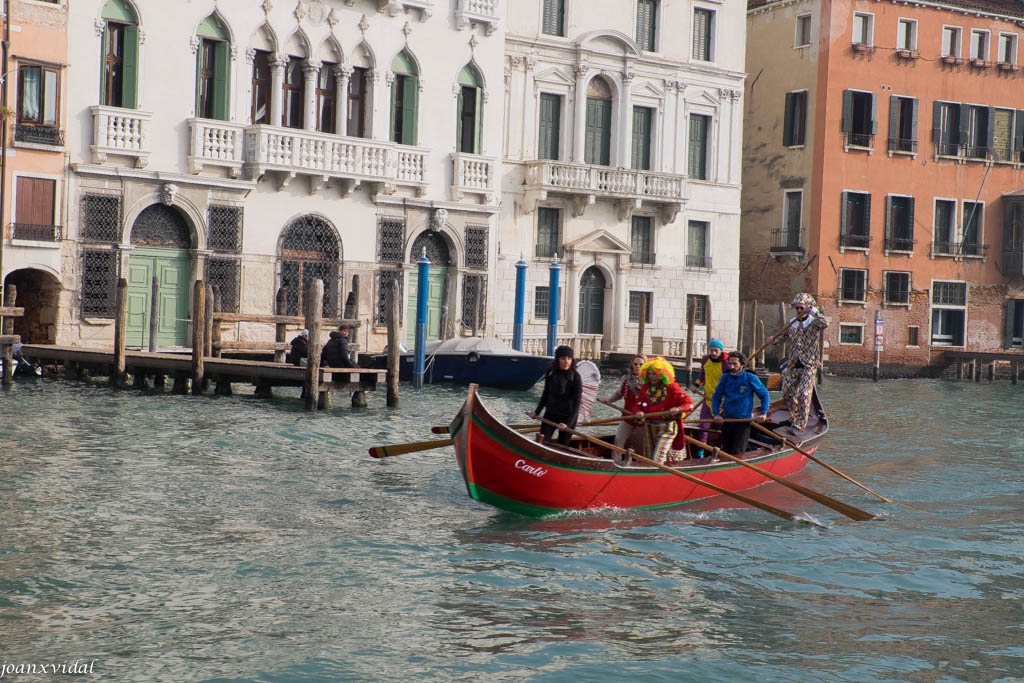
[(661, 393), (300, 348), (629, 392), (713, 365), (734, 400), (335, 353), (561, 398)]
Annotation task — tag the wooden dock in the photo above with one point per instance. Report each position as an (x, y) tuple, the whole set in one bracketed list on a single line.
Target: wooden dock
[(972, 365)]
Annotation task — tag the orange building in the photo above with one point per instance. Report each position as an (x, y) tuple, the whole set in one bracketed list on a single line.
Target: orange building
[(32, 194), (884, 173)]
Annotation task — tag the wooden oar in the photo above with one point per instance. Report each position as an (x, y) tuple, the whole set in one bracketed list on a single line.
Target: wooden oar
[(443, 429), (417, 446), (839, 506), (824, 464), (692, 479)]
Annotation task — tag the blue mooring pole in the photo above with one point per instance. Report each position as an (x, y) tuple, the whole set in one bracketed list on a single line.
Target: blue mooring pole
[(517, 320), (422, 287), (553, 306)]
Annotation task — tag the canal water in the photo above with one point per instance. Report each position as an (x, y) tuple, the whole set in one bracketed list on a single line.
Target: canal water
[(156, 537)]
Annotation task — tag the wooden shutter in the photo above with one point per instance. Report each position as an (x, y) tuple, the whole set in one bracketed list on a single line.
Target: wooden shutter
[(894, 119), (645, 17), (1011, 313), (221, 91), (787, 124), (35, 201), (701, 26), (844, 215), (1018, 135), (913, 119), (553, 13), (478, 122), (990, 133), (550, 119), (129, 67), (874, 114), (888, 218), (847, 111), (965, 124), (597, 143), (937, 122), (641, 143), (410, 96), (697, 153)]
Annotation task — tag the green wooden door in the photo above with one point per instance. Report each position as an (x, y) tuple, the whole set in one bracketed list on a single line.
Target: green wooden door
[(592, 302), (435, 300), (172, 267)]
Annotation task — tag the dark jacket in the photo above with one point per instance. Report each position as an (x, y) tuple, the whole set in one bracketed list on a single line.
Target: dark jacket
[(563, 390), (335, 352), (300, 349)]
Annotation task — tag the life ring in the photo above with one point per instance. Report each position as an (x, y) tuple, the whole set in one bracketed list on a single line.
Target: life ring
[(472, 358)]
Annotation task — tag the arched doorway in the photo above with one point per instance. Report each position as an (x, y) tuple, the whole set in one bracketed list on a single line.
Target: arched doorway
[(38, 292), (161, 240), (437, 252), (591, 301), (310, 250)]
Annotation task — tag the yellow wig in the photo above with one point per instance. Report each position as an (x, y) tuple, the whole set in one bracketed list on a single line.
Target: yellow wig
[(664, 369)]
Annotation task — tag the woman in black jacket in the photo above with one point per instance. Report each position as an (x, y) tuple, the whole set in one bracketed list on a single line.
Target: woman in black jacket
[(560, 401)]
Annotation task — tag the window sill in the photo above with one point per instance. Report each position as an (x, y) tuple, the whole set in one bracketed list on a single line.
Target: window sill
[(863, 250), (898, 252), (34, 244), (896, 304), (860, 343), (40, 146), (802, 145), (852, 302), (106, 322)]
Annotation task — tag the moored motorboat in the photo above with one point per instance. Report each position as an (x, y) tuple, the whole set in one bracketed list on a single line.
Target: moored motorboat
[(486, 361), (514, 472)]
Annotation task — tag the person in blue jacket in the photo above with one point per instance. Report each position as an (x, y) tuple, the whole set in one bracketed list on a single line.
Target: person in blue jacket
[(734, 399)]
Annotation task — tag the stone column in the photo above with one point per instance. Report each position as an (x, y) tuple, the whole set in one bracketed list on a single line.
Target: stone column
[(579, 126), (624, 150), (277, 65), (310, 73), (342, 74)]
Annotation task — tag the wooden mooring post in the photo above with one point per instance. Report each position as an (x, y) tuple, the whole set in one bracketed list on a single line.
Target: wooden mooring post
[(314, 305), (7, 337), (198, 334), (117, 375), (393, 351)]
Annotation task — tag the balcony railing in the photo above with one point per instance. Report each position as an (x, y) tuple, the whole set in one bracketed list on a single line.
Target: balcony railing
[(39, 135), (123, 132), (35, 232), (473, 174), (325, 156), (786, 241), (900, 244), (848, 241), (694, 261), (216, 143), (856, 139), (948, 149), (903, 145), (479, 12), (959, 249), (588, 182)]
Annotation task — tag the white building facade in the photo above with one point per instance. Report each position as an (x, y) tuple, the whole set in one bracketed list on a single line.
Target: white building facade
[(260, 145), (622, 157)]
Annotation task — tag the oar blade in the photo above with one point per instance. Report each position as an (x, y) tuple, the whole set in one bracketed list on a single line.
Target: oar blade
[(404, 448)]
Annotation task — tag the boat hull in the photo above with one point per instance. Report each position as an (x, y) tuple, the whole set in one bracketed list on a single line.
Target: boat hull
[(513, 472), (502, 372)]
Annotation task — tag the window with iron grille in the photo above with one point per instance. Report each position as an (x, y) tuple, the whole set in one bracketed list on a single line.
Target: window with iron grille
[(99, 278), (476, 246), (851, 333), (855, 221), (159, 225), (949, 293), (101, 218), (852, 284), (225, 275), (636, 303), (541, 302), (225, 228), (897, 287), (474, 300), (698, 303), (390, 240), (547, 232), (640, 241), (386, 276), (310, 251)]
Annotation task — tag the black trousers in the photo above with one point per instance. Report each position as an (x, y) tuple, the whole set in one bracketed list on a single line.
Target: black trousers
[(735, 436), (547, 430)]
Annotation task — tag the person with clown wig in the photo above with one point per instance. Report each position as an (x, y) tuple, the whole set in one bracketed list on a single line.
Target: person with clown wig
[(660, 392)]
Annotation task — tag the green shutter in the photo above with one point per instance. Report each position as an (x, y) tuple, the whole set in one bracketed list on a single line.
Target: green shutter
[(597, 149), (103, 64), (549, 126), (888, 218), (913, 120), (641, 152), (787, 123), (843, 213), (874, 114), (478, 134), (965, 124), (130, 67), (199, 77), (410, 95), (936, 122), (1018, 135), (847, 111), (894, 118), (221, 69)]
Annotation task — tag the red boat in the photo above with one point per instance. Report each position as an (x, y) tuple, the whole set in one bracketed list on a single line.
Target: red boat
[(514, 472)]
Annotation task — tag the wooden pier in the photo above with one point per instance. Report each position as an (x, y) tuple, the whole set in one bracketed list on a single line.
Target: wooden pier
[(198, 369), (972, 365)]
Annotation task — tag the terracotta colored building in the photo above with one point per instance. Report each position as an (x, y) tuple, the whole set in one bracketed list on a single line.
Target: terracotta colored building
[(883, 173)]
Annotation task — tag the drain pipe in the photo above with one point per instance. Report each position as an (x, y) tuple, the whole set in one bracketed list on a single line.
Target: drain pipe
[(3, 137)]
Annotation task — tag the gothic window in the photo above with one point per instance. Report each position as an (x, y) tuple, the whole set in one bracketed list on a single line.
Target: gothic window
[(310, 251)]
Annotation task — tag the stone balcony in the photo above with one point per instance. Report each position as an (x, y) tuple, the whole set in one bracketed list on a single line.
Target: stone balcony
[(323, 158), (473, 174), (120, 132), (586, 183), (483, 12)]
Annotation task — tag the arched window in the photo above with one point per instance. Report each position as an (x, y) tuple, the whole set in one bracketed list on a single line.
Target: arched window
[(404, 99), (294, 93), (213, 62), (470, 111), (310, 251), (120, 56), (598, 141), (161, 226)]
